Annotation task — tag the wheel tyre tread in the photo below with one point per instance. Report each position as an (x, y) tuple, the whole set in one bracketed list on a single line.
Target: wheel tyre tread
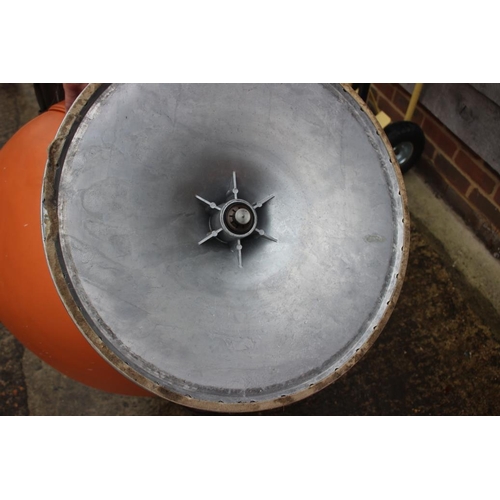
[(405, 131)]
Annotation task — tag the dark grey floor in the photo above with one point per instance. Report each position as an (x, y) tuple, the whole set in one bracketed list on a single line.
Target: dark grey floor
[(438, 355)]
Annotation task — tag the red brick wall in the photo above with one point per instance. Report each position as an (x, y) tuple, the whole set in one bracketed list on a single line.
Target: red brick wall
[(456, 173)]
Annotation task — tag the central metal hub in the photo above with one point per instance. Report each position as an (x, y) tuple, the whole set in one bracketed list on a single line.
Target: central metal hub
[(224, 220), (239, 217), (234, 220)]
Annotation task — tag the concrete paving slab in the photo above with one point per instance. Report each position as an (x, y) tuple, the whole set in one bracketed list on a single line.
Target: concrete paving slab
[(465, 250)]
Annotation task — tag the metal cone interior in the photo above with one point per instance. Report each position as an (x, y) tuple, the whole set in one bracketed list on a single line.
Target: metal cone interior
[(123, 226)]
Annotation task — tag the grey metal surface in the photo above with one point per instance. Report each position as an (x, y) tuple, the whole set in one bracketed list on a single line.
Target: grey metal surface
[(184, 316), (234, 220)]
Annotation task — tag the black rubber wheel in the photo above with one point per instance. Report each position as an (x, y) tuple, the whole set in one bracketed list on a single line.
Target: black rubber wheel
[(408, 142)]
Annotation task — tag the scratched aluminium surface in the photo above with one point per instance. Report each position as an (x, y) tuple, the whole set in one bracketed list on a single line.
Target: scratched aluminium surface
[(122, 227)]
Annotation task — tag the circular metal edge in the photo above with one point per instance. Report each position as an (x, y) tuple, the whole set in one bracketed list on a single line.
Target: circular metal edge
[(50, 232)]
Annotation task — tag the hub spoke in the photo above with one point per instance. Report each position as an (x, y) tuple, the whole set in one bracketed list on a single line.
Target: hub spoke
[(262, 202), (239, 248), (235, 187), (267, 236), (211, 204), (209, 236)]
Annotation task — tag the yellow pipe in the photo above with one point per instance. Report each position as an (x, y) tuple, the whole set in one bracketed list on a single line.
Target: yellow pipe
[(413, 101), (373, 101)]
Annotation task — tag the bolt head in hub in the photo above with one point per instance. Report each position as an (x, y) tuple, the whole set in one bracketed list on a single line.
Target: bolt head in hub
[(242, 216), (239, 217)]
